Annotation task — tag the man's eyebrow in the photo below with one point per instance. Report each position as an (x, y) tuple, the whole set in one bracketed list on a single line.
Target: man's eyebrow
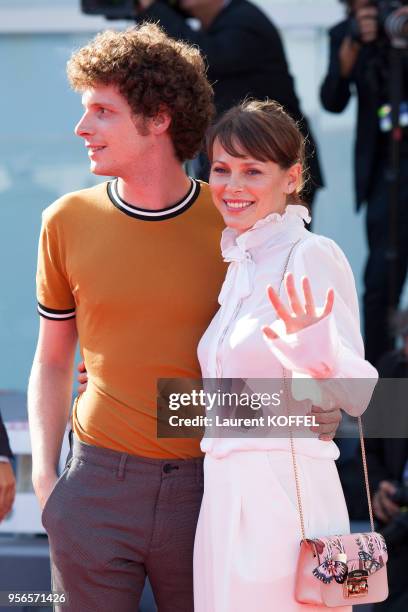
[(99, 103)]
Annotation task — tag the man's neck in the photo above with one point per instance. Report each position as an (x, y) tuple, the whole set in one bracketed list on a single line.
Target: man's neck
[(207, 14), (155, 186)]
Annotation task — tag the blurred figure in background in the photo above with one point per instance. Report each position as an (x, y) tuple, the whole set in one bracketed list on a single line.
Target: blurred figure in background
[(387, 460), (245, 58), (388, 469), (7, 480), (359, 52)]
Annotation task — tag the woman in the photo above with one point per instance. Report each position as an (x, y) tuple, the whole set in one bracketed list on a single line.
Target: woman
[(248, 534)]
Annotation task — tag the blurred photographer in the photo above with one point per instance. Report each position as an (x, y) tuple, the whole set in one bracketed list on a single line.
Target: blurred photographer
[(359, 63), (388, 468), (245, 57)]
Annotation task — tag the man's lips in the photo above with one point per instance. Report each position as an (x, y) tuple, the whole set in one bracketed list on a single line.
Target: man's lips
[(93, 149)]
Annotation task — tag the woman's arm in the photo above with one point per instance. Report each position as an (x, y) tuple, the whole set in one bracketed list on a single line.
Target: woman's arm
[(329, 346)]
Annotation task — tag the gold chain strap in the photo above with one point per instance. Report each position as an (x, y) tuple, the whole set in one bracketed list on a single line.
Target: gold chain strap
[(367, 484), (292, 443)]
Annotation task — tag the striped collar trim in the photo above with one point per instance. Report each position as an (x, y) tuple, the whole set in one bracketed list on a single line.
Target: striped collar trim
[(154, 215)]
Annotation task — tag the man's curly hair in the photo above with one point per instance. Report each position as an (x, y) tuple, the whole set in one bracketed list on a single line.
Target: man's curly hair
[(153, 72)]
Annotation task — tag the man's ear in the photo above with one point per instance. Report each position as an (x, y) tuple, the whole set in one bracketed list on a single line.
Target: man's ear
[(160, 122)]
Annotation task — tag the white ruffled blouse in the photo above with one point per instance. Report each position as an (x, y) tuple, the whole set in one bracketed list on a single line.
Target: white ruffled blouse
[(233, 345)]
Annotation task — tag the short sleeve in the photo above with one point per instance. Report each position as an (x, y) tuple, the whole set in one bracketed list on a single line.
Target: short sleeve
[(54, 295)]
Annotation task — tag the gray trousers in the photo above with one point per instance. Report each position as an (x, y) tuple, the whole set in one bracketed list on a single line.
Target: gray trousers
[(113, 519)]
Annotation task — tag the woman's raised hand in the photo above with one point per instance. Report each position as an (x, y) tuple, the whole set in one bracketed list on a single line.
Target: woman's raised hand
[(299, 315)]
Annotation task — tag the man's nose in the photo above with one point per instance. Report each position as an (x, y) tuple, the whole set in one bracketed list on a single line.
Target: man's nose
[(83, 127)]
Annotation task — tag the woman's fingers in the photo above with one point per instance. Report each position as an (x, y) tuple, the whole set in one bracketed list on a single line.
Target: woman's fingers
[(277, 304), (301, 316), (328, 306), (309, 301), (293, 296), (269, 333)]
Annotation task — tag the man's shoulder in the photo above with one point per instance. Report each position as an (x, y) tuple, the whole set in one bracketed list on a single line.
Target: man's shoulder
[(207, 208), (242, 10), (70, 202), (205, 194), (205, 191), (340, 30)]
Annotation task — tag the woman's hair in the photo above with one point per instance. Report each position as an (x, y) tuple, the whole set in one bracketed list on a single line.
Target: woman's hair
[(263, 131), (152, 72)]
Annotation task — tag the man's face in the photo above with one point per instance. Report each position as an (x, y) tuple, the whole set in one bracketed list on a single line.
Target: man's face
[(356, 5), (116, 140)]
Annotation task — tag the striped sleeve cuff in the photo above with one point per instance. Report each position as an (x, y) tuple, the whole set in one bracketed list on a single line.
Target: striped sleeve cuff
[(55, 315)]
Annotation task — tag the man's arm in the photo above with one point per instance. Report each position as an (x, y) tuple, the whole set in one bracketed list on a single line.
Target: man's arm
[(335, 90), (7, 480), (344, 53), (49, 399), (4, 442)]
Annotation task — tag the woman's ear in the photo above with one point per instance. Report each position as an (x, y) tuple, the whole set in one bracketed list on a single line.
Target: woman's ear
[(293, 178)]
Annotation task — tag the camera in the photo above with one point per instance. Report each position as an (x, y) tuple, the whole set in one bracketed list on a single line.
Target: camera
[(119, 9), (392, 27)]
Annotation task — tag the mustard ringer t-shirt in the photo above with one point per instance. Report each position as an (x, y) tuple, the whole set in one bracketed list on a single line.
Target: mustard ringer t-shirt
[(143, 286)]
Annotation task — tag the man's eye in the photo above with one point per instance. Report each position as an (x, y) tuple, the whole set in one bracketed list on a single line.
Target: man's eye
[(102, 111)]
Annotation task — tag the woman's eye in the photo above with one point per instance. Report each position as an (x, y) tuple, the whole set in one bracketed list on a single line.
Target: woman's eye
[(253, 171), (219, 170), (102, 111)]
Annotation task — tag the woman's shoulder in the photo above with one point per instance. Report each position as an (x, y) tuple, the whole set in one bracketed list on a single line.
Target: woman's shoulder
[(319, 245), (318, 255)]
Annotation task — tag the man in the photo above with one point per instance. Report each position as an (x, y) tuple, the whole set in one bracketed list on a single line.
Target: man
[(245, 58), (7, 480), (132, 268), (359, 59)]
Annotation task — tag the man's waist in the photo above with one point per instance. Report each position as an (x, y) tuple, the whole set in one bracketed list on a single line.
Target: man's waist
[(107, 457), (108, 424)]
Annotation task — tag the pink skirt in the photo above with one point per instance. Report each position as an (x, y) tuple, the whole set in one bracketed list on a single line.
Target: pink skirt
[(248, 532)]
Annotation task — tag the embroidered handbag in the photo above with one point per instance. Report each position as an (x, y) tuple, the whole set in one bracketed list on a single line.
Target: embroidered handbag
[(341, 570)]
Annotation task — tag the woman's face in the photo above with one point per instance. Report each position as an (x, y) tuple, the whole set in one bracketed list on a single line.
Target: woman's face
[(246, 190)]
